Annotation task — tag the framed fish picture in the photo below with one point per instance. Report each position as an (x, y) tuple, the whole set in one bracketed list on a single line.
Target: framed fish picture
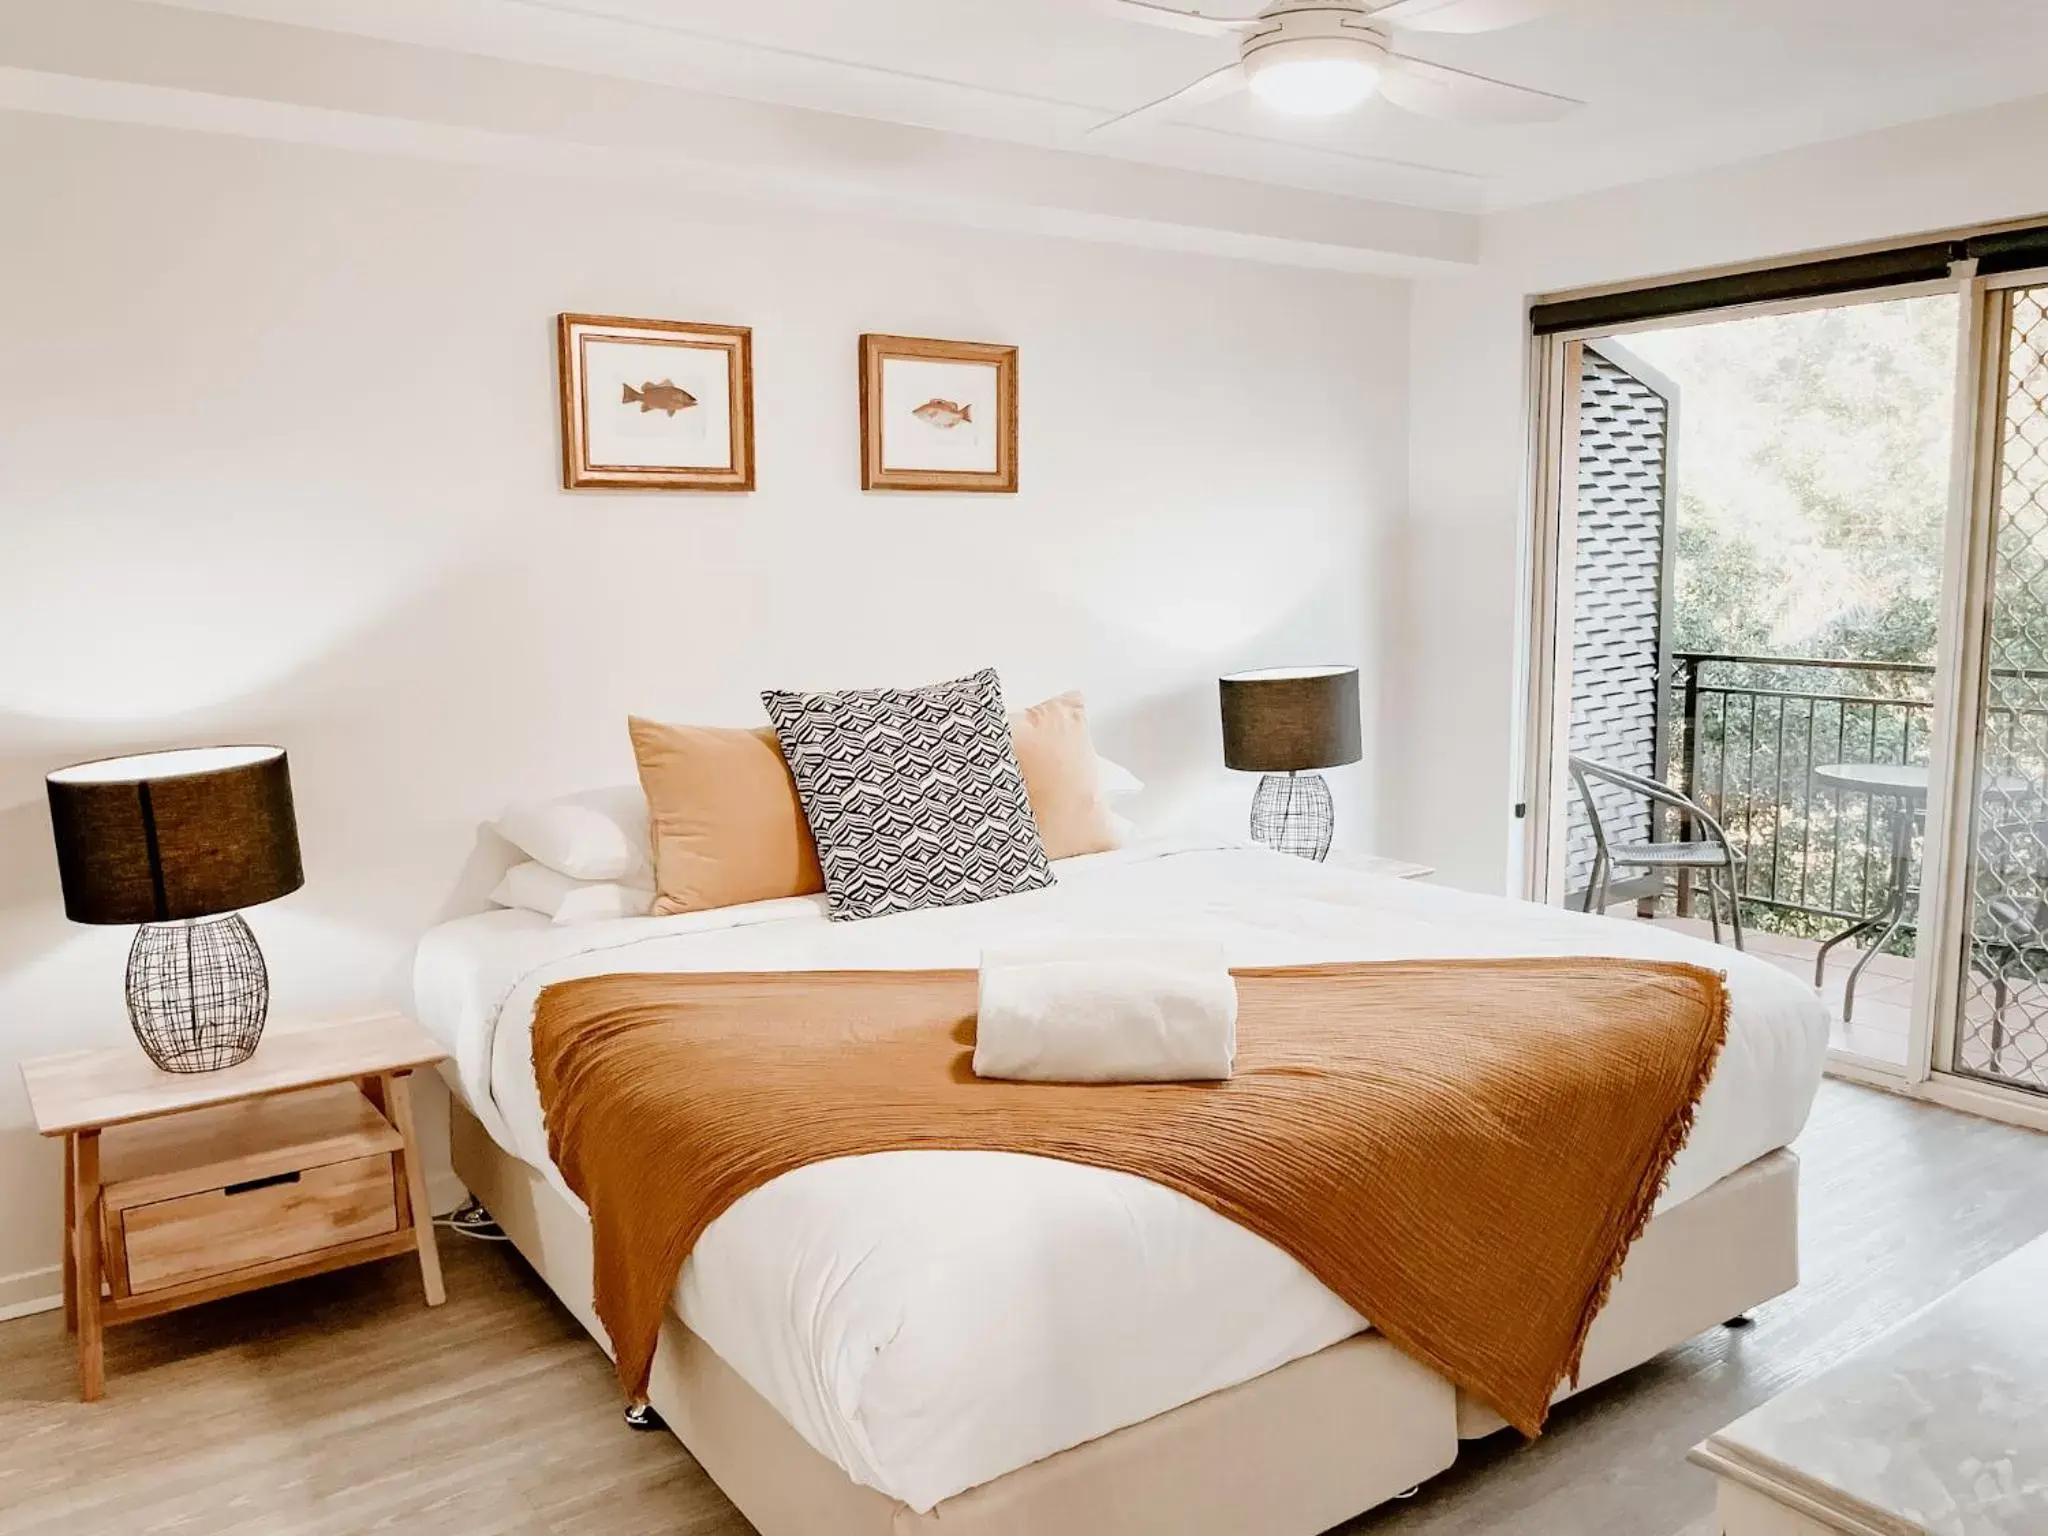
[(937, 415), (656, 405)]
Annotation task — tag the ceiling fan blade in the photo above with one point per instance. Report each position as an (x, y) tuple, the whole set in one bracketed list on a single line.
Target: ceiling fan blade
[(1212, 86), (1155, 14), (1437, 90), (1464, 15)]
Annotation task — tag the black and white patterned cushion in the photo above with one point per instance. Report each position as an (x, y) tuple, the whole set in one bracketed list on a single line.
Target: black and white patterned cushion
[(913, 794)]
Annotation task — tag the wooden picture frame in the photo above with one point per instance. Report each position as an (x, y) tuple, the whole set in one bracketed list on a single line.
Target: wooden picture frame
[(629, 425), (935, 442)]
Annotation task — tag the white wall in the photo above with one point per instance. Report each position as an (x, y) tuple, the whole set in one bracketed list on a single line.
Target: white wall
[(278, 462), (1451, 685)]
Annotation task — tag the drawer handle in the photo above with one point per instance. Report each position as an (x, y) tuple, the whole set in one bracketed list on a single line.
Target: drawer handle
[(248, 1185)]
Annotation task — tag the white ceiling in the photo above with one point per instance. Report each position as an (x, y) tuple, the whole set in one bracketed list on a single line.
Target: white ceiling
[(1670, 85)]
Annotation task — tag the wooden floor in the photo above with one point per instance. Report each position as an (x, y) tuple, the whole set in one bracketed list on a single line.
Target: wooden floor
[(342, 1405), (1899, 1203)]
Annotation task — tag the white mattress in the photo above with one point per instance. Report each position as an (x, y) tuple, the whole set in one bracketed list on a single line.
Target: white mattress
[(932, 1320)]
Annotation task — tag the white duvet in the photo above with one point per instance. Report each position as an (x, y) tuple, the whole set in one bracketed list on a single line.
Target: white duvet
[(932, 1320)]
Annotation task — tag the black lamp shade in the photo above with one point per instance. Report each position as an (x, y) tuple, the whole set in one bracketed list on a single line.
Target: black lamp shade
[(1290, 719), (167, 835)]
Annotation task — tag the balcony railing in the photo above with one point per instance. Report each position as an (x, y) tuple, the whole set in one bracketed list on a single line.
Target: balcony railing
[(1746, 736), (1750, 731)]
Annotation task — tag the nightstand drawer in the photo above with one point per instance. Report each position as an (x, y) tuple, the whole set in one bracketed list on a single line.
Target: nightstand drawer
[(199, 1236)]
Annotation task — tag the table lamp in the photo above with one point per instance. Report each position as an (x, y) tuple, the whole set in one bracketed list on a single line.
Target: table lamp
[(1284, 722), (180, 842)]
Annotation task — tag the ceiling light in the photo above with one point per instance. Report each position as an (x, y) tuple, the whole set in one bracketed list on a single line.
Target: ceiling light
[(1313, 76)]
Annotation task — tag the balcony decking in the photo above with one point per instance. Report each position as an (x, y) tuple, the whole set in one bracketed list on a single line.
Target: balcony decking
[(1884, 1000), (1884, 995)]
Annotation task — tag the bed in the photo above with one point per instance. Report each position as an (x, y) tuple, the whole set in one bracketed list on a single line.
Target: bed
[(982, 1342)]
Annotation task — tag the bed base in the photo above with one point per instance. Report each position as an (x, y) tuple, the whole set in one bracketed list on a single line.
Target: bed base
[(1290, 1453), (1706, 1262)]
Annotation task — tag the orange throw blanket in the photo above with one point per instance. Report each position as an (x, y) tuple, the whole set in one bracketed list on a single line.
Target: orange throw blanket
[(1461, 1150)]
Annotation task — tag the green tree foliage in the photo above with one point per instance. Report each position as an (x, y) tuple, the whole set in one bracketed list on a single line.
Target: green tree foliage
[(1812, 469), (1812, 474)]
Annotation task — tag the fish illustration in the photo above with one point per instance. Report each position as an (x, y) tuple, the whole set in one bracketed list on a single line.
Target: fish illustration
[(943, 413), (665, 396)]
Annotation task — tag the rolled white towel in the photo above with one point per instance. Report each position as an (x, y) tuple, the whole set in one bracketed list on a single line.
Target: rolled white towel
[(1106, 1012)]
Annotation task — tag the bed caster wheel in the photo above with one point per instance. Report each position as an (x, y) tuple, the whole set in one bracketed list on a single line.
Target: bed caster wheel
[(1740, 1320), (641, 1416)]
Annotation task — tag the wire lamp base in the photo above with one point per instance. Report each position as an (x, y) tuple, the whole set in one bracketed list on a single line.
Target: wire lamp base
[(1293, 813), (197, 993)]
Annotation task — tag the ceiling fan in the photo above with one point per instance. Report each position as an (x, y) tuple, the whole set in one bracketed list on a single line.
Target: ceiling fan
[(1317, 58)]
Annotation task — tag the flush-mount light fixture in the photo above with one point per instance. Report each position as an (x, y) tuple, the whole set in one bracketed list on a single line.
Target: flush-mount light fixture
[(1319, 58), (1316, 67)]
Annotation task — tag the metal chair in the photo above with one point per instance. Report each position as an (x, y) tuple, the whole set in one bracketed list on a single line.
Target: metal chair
[(2008, 937), (1715, 858)]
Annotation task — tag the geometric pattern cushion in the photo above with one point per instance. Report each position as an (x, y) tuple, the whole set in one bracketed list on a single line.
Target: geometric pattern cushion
[(913, 795)]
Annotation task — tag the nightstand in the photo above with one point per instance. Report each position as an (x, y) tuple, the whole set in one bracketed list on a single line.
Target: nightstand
[(1372, 864), (183, 1189)]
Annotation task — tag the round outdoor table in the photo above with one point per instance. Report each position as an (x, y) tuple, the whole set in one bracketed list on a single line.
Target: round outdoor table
[(1907, 784)]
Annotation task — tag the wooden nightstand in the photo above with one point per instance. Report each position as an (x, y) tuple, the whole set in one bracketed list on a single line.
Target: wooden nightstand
[(183, 1189)]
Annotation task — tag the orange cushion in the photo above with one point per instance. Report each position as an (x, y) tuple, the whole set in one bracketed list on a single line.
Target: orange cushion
[(1058, 759), (722, 816)]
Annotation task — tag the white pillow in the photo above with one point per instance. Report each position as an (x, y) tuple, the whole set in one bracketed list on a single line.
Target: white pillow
[(1115, 780), (599, 834), (536, 888)]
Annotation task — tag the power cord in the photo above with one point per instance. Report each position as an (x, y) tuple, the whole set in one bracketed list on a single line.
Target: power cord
[(471, 1219)]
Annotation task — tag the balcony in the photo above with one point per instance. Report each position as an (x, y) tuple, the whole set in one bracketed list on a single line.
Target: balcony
[(1753, 739), (1884, 995)]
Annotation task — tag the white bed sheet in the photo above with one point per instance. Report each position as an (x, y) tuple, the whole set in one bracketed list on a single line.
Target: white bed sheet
[(932, 1320)]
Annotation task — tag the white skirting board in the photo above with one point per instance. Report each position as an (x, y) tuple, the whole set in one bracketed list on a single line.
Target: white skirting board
[(31, 1291)]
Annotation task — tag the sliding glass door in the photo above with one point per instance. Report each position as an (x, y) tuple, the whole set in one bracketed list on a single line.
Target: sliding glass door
[(1997, 1030), (1751, 510), (1790, 564)]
